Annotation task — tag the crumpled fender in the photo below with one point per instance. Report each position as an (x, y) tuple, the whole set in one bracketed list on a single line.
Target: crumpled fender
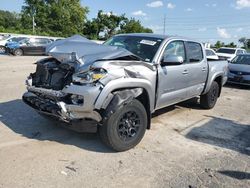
[(119, 99), (123, 97), (124, 84)]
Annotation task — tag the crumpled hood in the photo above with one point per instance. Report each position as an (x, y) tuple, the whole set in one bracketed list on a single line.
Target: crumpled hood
[(85, 51)]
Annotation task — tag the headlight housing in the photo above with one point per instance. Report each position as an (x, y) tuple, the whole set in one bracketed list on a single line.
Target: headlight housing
[(89, 77)]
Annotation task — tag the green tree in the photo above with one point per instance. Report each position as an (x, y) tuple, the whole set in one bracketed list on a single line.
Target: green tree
[(67, 17), (108, 23), (91, 30), (248, 43), (243, 41), (9, 21), (231, 45), (219, 44), (53, 17), (133, 26)]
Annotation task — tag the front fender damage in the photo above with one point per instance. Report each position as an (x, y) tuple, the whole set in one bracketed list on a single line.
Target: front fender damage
[(119, 99)]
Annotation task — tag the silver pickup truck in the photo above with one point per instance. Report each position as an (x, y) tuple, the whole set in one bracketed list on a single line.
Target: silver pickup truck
[(114, 87)]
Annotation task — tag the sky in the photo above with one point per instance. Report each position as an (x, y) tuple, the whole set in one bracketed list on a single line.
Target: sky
[(205, 20)]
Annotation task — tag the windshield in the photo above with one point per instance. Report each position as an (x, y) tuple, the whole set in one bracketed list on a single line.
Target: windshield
[(226, 51), (16, 39), (143, 47), (210, 53), (241, 59), (23, 41)]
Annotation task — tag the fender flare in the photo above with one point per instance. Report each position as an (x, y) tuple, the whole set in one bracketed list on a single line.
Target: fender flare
[(213, 78), (124, 83)]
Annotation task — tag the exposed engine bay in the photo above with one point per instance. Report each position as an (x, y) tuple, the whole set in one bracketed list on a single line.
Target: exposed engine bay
[(51, 74)]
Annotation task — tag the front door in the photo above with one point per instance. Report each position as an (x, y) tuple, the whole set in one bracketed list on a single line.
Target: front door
[(30, 46), (172, 79)]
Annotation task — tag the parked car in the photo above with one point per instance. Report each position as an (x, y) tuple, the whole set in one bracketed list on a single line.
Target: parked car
[(9, 39), (210, 53), (239, 70), (229, 53), (13, 42), (115, 87), (29, 46)]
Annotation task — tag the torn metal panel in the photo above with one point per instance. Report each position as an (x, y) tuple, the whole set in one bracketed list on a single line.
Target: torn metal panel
[(120, 98)]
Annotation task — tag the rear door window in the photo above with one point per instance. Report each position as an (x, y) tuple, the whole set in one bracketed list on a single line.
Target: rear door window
[(194, 52), (42, 42), (210, 53), (238, 52), (32, 42)]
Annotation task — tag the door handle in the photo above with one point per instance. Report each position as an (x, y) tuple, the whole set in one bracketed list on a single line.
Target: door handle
[(185, 72), (204, 69)]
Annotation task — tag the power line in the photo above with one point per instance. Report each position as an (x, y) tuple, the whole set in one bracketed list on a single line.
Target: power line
[(205, 17), (208, 28)]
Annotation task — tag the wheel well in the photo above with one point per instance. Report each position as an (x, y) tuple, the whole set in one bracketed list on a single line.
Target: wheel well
[(19, 49), (122, 95), (144, 99), (219, 81)]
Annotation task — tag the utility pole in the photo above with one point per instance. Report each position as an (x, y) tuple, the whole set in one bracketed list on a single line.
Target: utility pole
[(164, 24), (33, 20), (33, 23)]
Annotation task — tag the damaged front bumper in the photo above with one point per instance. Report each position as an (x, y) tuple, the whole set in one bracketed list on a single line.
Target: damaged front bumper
[(59, 105)]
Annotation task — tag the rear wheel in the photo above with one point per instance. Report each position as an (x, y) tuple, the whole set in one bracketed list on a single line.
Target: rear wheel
[(2, 49), (209, 100), (125, 128), (18, 52)]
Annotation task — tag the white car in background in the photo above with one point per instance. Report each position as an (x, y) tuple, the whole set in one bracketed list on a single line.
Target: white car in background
[(229, 53), (210, 53)]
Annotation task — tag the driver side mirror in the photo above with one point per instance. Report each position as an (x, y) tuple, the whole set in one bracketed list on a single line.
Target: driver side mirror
[(172, 60)]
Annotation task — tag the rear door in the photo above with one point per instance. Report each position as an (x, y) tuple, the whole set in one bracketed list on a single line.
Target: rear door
[(29, 46), (41, 45), (172, 79), (197, 69)]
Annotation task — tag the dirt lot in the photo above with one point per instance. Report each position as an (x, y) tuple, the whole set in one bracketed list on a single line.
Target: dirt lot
[(186, 147)]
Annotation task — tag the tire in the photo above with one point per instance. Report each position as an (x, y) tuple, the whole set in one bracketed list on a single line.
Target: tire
[(18, 52), (119, 131), (2, 49), (209, 100)]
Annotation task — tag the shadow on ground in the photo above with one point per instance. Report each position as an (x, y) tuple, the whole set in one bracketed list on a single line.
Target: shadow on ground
[(223, 133), (237, 86), (25, 121), (236, 174)]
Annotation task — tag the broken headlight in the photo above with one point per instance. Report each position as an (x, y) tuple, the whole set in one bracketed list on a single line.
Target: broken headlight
[(90, 76), (77, 99)]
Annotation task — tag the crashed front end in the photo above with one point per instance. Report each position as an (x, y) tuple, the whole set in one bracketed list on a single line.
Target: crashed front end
[(65, 86), (70, 84), (53, 92)]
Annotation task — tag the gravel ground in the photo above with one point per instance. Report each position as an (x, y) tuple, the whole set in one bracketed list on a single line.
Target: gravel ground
[(186, 147)]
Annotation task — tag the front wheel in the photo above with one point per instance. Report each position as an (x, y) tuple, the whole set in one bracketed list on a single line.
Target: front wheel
[(18, 52), (125, 128), (209, 100), (2, 49)]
